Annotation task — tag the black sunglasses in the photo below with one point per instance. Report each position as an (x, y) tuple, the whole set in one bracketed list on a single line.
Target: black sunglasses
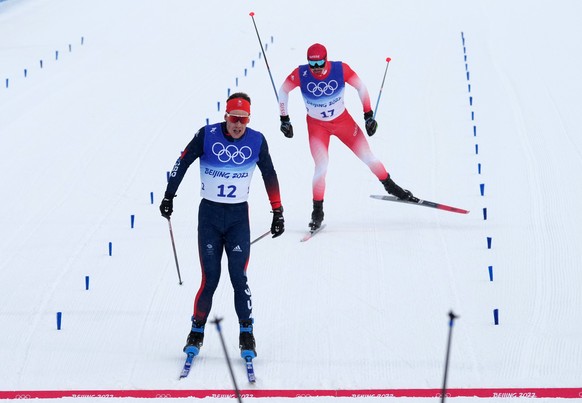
[(316, 64)]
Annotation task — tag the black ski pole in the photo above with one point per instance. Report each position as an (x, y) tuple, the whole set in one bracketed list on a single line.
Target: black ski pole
[(216, 321), (260, 237), (174, 249), (382, 86), (252, 14), (452, 318)]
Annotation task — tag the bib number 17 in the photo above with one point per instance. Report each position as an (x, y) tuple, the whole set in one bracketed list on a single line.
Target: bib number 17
[(327, 114)]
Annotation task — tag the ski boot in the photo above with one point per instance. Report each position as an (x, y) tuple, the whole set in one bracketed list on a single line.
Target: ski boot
[(247, 340), (397, 191), (195, 338), (316, 215)]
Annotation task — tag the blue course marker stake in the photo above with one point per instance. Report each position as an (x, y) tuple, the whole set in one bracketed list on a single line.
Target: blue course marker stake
[(472, 115), (228, 92), (469, 86), (245, 72), (86, 282), (489, 242), (41, 64), (6, 83), (474, 131), (490, 273), (496, 316), (476, 148), (470, 99), (25, 72), (110, 248), (82, 40), (253, 63), (467, 76), (56, 55), (236, 81), (218, 106), (151, 197), (59, 320), (482, 189), (132, 220), (479, 168), (484, 213), (207, 121)]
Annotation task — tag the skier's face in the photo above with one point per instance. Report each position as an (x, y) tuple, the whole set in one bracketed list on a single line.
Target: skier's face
[(236, 122), (317, 66)]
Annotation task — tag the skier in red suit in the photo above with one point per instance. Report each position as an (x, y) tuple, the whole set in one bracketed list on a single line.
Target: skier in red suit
[(322, 84)]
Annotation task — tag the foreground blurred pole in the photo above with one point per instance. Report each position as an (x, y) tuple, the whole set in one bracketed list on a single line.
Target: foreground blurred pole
[(452, 318), (216, 321)]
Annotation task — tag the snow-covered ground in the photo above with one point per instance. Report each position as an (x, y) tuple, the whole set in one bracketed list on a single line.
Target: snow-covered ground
[(477, 94)]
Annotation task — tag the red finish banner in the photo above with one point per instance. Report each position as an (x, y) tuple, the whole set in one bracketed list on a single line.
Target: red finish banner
[(505, 393)]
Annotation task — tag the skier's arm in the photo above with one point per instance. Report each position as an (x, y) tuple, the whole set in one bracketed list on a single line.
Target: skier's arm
[(290, 83), (265, 164), (354, 80), (193, 150)]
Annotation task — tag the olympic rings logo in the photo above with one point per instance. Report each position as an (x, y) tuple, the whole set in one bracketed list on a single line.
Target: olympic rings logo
[(231, 153), (322, 88)]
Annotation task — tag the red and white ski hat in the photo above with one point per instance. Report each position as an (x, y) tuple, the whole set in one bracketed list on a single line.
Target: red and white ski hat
[(317, 52)]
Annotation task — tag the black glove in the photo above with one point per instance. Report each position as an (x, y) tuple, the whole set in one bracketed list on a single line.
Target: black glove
[(167, 207), (371, 124), (286, 126), (278, 225)]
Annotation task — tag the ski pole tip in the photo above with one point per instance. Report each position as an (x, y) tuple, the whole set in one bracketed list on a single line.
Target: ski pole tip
[(252, 13), (388, 59)]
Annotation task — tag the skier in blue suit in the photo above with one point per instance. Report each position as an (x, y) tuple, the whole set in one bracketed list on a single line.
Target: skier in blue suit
[(228, 152)]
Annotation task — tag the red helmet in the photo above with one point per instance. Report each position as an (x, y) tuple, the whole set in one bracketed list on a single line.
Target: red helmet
[(317, 52)]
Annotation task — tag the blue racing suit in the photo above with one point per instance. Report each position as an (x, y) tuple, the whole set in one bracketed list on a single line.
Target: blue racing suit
[(226, 168)]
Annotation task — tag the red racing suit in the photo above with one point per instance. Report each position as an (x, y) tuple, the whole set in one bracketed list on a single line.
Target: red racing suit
[(326, 116)]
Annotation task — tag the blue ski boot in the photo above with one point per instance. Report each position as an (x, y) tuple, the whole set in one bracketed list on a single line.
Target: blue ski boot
[(195, 338), (247, 340)]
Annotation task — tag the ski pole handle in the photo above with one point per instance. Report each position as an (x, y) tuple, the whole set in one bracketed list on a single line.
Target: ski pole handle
[(452, 318)]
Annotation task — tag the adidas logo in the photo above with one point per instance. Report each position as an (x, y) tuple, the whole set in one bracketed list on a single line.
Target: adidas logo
[(237, 249)]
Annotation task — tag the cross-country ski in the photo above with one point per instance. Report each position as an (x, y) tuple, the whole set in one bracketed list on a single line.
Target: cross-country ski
[(250, 369), (187, 365), (312, 233), (421, 202)]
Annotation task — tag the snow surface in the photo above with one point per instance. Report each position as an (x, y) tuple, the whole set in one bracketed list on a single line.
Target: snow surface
[(85, 139)]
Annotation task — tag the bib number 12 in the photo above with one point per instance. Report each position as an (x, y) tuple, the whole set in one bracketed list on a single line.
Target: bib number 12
[(226, 191)]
